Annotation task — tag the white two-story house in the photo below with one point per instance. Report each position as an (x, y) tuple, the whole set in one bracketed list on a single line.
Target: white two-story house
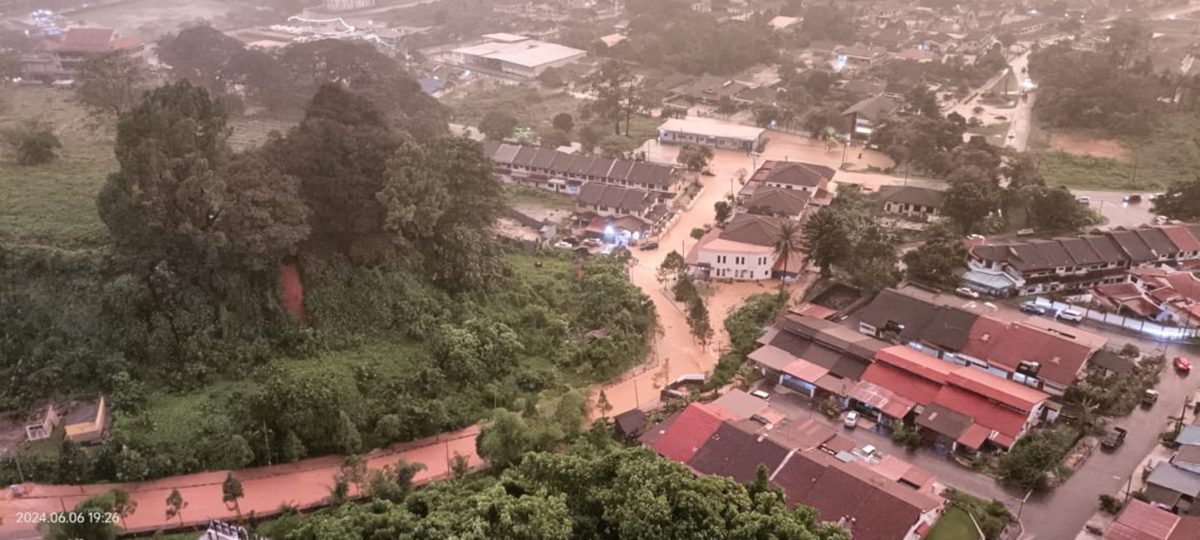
[(743, 250)]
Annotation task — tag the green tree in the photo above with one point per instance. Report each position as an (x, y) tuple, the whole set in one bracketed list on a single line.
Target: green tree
[(200, 54), (872, 263), (497, 125), (746, 323), (939, 260), (970, 201), (698, 321), (603, 404), (723, 210), (393, 482), (609, 86), (175, 505), (694, 157), (359, 67), (231, 493), (109, 83), (672, 265), (339, 152), (180, 197), (1181, 200), (571, 414), (442, 197), (788, 241), (347, 437), (91, 529), (293, 447), (1055, 209), (504, 439), (33, 143), (825, 240), (123, 505), (563, 121)]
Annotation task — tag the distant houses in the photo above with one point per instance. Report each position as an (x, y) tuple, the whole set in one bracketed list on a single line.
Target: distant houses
[(561, 172), (62, 59)]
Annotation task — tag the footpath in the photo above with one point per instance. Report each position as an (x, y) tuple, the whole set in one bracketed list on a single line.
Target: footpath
[(303, 485)]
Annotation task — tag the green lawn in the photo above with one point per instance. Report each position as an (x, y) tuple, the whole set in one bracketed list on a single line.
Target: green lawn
[(539, 197), (532, 106), (955, 524), (55, 204), (1169, 153)]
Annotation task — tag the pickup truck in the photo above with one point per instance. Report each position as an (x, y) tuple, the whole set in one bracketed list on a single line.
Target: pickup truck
[(1115, 438)]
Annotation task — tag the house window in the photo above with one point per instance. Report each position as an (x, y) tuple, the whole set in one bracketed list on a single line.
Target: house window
[(739, 260)]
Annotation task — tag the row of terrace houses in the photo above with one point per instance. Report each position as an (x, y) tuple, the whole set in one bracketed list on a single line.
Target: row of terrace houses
[(955, 406), (567, 173), (1036, 352), (1080, 262), (809, 462)]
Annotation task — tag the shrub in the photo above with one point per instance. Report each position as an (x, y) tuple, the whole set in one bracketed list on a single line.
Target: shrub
[(1110, 504), (698, 233), (33, 143)]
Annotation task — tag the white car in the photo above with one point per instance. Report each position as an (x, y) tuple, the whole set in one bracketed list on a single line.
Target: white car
[(1069, 315), (761, 394), (966, 292), (868, 450), (851, 420)]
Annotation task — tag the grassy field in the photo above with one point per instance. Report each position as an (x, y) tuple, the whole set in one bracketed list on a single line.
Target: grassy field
[(532, 107), (538, 197), (55, 204), (536, 107), (955, 524), (1168, 154)]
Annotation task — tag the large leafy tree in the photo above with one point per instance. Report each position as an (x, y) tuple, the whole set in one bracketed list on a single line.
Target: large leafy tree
[(939, 260), (181, 197), (1180, 201), (363, 69), (971, 200), (787, 242), (110, 83), (200, 54), (589, 492), (442, 197), (1055, 209), (826, 240), (339, 152)]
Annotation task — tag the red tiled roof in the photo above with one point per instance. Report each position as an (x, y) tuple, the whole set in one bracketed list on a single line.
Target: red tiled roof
[(1015, 395), (915, 362), (974, 436), (882, 510), (1007, 344), (985, 413), (94, 40), (1181, 238), (902, 383), (687, 433), (1141, 521)]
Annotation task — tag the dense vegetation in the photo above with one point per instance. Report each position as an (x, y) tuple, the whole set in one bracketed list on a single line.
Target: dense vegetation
[(668, 33), (418, 321), (1112, 89), (596, 490)]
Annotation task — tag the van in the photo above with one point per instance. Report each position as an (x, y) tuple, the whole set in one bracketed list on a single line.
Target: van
[(1069, 315), (760, 394)]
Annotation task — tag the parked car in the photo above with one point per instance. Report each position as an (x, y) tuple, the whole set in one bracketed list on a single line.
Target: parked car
[(1149, 398), (1032, 308), (1113, 439), (563, 244), (868, 450), (975, 237), (1183, 365), (650, 246), (592, 242), (760, 394), (1025, 232), (966, 292), (1132, 198), (1069, 315), (851, 420), (1084, 200), (1161, 220)]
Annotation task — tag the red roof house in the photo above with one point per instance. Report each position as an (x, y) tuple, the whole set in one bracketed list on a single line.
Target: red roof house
[(680, 437)]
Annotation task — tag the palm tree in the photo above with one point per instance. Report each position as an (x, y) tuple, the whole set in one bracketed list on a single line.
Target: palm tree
[(787, 242)]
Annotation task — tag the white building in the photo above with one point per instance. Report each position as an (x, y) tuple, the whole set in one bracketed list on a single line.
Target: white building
[(742, 250), (515, 55), (711, 133)]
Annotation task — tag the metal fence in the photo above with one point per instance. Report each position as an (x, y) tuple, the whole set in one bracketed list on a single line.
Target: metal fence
[(1154, 330)]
